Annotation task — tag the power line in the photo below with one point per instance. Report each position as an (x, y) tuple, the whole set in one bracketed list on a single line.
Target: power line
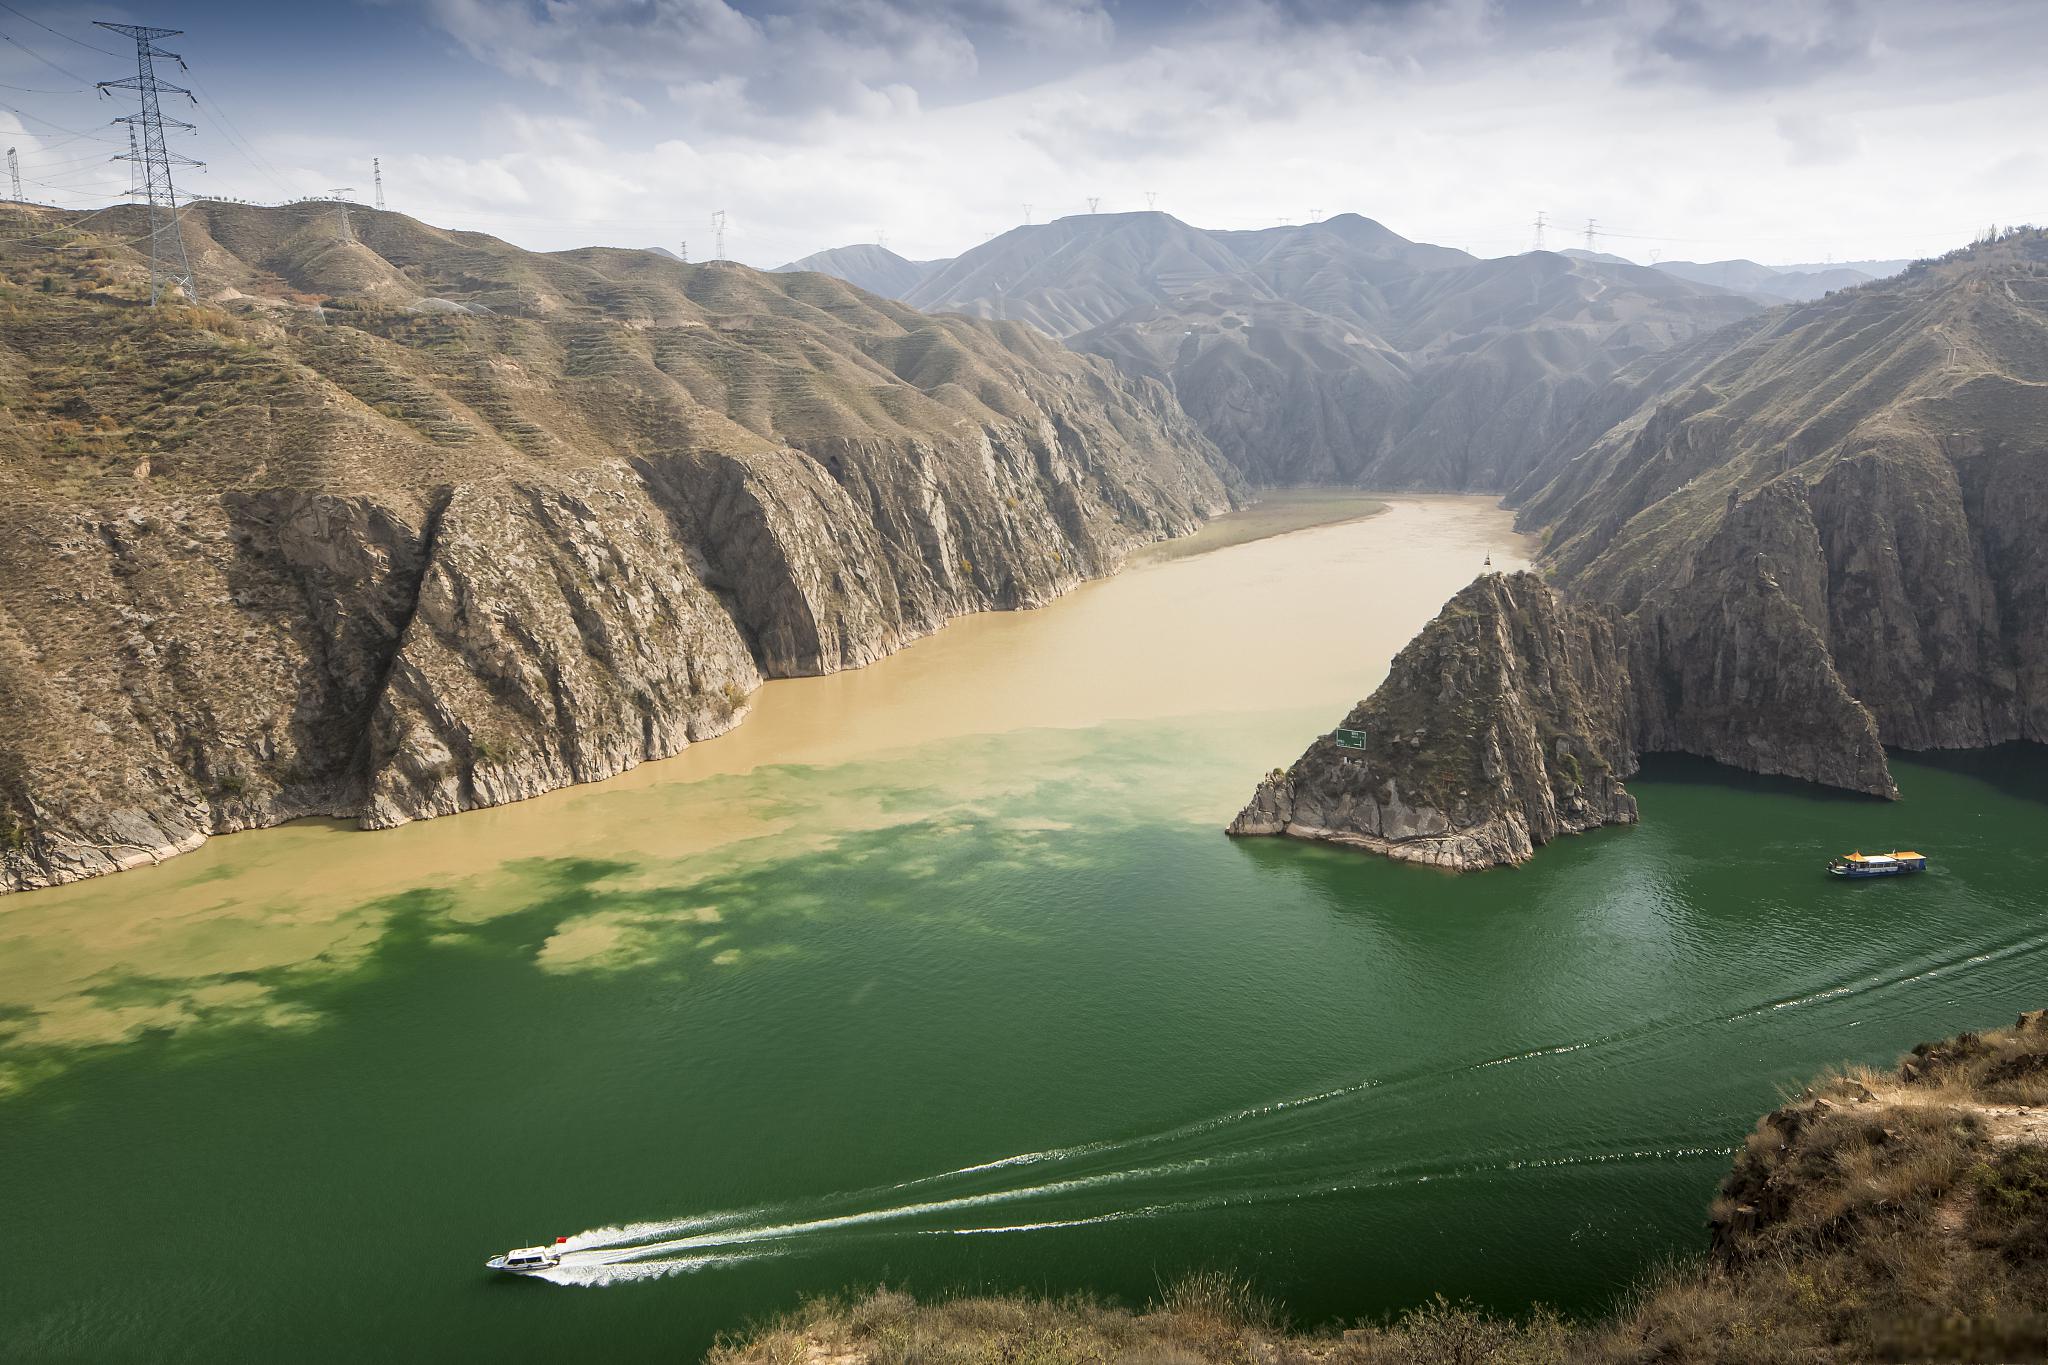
[(76, 133), (89, 47), (168, 263), (232, 132), (44, 60)]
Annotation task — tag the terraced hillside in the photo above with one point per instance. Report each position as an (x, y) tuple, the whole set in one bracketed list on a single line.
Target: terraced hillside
[(404, 521)]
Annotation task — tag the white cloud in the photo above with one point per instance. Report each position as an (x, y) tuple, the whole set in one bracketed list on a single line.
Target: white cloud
[(1780, 131)]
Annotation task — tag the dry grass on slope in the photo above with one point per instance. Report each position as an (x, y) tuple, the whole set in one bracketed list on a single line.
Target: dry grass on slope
[(1877, 1217)]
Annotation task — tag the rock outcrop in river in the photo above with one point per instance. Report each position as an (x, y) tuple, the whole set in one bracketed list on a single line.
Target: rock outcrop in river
[(408, 521), (1508, 721), (1814, 535)]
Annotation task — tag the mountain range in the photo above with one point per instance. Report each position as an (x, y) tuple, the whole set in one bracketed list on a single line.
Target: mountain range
[(1331, 352)]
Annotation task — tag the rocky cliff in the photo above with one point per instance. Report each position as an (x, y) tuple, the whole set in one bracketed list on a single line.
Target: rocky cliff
[(403, 522), (1814, 534), (1508, 721), (1881, 456)]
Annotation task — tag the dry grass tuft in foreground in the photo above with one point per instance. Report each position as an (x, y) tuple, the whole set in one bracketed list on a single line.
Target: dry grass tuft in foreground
[(1874, 1218)]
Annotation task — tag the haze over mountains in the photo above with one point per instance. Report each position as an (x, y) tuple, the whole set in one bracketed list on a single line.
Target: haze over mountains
[(1337, 351)]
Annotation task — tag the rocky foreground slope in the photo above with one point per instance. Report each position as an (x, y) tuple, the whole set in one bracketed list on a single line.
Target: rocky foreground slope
[(1876, 1217), (1329, 352), (406, 521)]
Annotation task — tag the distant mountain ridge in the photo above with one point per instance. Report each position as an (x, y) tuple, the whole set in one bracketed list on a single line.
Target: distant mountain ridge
[(1336, 351), (1771, 283), (866, 266)]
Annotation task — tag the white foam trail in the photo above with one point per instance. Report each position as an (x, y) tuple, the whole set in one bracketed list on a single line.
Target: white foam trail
[(639, 1232), (1045, 1226), (781, 1231), (597, 1274), (1558, 1051)]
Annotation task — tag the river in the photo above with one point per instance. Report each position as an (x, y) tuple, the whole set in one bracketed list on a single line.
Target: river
[(942, 973)]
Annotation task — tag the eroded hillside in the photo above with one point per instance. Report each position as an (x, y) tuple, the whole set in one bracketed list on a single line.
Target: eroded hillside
[(1336, 351), (405, 521), (1881, 456)]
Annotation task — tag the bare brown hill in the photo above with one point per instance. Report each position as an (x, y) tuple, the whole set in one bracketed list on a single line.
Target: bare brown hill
[(405, 521)]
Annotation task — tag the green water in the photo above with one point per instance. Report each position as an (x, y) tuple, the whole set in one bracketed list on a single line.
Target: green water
[(1026, 1021)]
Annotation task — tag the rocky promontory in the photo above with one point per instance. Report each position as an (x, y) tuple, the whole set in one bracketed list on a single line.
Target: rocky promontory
[(1508, 721)]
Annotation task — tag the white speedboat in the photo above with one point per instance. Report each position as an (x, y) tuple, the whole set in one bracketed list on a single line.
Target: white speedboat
[(526, 1260)]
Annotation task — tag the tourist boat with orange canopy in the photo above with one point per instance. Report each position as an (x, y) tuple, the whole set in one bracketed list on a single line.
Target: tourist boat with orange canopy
[(1859, 864)]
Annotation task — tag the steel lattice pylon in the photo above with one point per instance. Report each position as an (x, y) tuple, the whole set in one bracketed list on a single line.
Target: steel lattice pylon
[(168, 263)]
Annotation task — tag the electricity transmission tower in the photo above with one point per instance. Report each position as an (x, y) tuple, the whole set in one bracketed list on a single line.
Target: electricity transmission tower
[(1092, 202), (1151, 199), (340, 194), (168, 264), (1590, 235), (1539, 229), (14, 174), (718, 235), (1027, 215), (377, 179), (137, 190), (685, 255)]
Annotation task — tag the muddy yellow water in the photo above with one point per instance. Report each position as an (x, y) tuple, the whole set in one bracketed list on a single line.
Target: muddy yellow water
[(1300, 600)]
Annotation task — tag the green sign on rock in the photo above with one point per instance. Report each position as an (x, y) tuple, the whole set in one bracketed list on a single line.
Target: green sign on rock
[(1350, 739)]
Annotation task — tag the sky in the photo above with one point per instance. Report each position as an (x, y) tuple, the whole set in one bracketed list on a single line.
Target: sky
[(1778, 130)]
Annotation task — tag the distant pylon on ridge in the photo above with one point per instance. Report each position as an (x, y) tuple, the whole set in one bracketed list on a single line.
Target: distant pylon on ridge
[(377, 178), (14, 174), (1092, 202), (1151, 199), (685, 255), (1027, 215), (1539, 229), (340, 195), (137, 190), (1591, 236), (168, 263), (718, 235)]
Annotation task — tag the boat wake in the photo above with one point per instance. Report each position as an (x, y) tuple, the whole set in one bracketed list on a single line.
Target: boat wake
[(1332, 1142)]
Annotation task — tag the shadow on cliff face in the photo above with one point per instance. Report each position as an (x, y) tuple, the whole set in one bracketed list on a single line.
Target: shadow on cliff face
[(2018, 770), (1704, 772)]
